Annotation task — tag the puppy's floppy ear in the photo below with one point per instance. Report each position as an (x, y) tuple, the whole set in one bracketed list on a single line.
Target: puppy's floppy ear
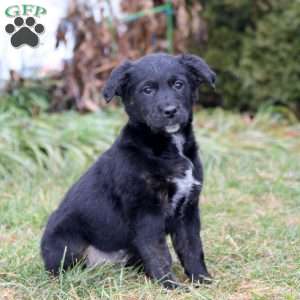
[(198, 69), (116, 81)]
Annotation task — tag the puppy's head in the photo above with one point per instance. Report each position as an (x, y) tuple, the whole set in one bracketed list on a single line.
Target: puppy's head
[(158, 89)]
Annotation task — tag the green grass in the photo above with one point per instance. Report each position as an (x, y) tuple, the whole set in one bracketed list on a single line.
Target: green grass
[(250, 207)]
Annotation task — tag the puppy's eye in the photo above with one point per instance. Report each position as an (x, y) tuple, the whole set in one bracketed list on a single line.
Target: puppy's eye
[(178, 85), (147, 90)]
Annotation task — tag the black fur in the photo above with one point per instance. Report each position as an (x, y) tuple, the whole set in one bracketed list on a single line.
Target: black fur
[(124, 200)]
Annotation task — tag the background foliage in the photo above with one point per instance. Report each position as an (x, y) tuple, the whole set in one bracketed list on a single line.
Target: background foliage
[(254, 47)]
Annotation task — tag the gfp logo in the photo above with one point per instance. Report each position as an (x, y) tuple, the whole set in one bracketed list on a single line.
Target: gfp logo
[(25, 30)]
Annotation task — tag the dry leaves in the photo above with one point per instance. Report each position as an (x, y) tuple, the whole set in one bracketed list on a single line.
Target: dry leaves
[(102, 44), (102, 41)]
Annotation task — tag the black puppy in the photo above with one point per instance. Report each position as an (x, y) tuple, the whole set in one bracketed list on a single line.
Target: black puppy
[(146, 185)]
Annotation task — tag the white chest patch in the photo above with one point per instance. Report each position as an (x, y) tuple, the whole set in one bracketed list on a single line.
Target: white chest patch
[(186, 183)]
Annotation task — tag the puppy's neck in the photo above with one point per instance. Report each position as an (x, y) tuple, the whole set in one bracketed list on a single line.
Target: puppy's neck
[(159, 143)]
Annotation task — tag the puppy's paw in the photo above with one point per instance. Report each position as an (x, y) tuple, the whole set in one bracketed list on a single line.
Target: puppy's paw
[(171, 285), (202, 279)]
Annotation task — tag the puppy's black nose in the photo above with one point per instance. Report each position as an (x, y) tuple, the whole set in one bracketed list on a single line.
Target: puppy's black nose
[(170, 111)]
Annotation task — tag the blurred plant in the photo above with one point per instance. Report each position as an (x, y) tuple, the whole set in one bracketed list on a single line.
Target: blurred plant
[(253, 46), (54, 141), (29, 97), (102, 44), (269, 58), (50, 141)]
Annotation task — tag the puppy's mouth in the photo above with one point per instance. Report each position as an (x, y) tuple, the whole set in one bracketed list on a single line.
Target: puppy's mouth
[(172, 128), (158, 123)]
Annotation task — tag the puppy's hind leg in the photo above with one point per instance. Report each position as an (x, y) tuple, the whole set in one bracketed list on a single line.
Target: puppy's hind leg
[(61, 251)]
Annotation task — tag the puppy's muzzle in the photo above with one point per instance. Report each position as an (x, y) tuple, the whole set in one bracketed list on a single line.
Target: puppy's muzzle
[(169, 111)]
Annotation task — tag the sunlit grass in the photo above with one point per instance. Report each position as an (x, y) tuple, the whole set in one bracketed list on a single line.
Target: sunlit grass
[(250, 206)]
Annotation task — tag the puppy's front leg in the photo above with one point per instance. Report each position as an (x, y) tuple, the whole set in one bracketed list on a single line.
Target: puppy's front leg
[(150, 242), (188, 246)]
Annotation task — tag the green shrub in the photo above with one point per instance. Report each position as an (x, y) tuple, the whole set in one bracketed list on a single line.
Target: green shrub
[(270, 57), (29, 97), (254, 47)]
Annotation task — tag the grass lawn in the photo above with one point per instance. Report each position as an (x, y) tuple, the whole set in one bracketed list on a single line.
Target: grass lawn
[(250, 207)]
